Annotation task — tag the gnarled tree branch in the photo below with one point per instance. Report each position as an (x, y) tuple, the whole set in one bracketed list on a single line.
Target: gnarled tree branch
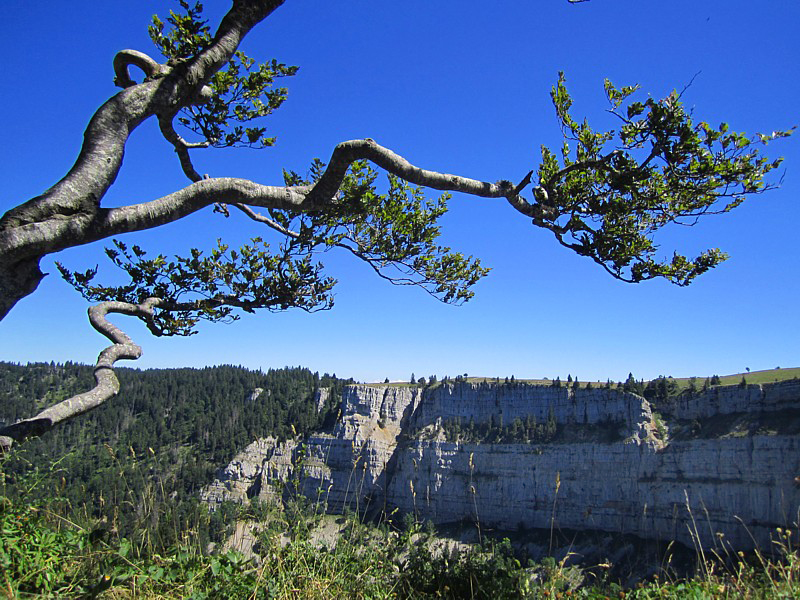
[(126, 58), (52, 236), (70, 209), (346, 153), (181, 146), (106, 382), (598, 187)]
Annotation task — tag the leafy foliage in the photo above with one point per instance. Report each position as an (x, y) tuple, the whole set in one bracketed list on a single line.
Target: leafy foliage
[(241, 92), (187, 35), (612, 190), (210, 287), (489, 570), (36, 558), (395, 232)]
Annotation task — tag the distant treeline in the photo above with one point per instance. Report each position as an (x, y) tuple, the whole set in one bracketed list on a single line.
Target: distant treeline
[(159, 441)]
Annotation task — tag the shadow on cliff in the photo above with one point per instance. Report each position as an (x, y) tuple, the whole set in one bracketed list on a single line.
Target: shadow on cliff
[(376, 512), (602, 556)]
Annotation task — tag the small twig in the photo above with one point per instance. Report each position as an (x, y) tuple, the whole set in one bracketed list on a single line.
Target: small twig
[(266, 220), (524, 183), (688, 85)]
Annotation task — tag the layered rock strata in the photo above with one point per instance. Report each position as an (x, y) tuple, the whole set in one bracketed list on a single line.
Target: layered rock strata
[(711, 484)]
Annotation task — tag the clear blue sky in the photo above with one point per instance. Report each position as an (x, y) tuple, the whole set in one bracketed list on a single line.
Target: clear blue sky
[(455, 86)]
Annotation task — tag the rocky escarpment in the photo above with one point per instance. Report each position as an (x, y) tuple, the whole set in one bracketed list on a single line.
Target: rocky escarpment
[(725, 474)]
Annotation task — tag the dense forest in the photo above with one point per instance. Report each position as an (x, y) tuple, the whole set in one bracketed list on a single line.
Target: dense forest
[(139, 460)]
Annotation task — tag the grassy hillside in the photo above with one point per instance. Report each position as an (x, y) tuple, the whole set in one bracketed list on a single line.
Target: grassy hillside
[(767, 376)]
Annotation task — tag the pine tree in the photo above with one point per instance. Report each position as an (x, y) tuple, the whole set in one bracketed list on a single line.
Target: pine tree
[(630, 383), (550, 428)]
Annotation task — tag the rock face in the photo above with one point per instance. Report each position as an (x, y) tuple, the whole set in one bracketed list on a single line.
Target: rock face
[(729, 468), (729, 399)]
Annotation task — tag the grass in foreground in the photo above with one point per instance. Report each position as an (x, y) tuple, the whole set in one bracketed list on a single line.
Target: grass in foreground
[(43, 554)]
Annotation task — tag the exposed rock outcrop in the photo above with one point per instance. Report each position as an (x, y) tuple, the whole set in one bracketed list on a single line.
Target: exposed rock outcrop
[(728, 476), (255, 394)]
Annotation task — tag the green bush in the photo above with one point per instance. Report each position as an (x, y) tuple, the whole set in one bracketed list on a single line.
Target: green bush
[(39, 558)]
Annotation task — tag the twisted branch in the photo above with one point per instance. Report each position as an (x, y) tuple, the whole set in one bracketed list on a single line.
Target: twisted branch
[(346, 153), (57, 235), (181, 146), (125, 58), (106, 382)]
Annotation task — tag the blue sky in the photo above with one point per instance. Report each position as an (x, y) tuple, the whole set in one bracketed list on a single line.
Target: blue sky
[(459, 87)]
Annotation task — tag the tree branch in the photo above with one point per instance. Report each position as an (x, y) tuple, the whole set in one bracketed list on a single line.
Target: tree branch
[(125, 58), (181, 146), (259, 218), (106, 382), (29, 241), (39, 239), (100, 158), (55, 235), (346, 153)]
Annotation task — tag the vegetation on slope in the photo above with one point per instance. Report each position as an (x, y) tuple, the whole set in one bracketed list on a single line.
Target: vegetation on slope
[(44, 554), (106, 507), (139, 461)]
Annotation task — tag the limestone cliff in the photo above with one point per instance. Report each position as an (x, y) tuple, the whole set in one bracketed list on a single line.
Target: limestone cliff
[(720, 467)]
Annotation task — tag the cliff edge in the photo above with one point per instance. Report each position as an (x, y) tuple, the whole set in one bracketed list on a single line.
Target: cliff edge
[(718, 467)]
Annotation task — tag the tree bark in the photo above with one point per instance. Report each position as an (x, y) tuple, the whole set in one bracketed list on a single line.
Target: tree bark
[(17, 280)]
